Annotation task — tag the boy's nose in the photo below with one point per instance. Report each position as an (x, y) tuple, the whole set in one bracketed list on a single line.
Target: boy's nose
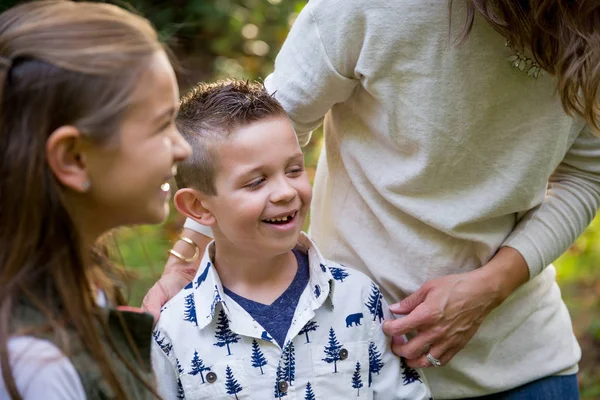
[(284, 192)]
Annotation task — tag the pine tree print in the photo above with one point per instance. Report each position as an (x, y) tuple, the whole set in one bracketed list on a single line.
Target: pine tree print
[(356, 379), (258, 358), (232, 385), (375, 363), (190, 309), (317, 291), (202, 276), (310, 326), (279, 378), (309, 395), (289, 372), (156, 336), (374, 303), (409, 375), (198, 366), (332, 350), (165, 347), (180, 392), (339, 274), (216, 300), (323, 268), (223, 334)]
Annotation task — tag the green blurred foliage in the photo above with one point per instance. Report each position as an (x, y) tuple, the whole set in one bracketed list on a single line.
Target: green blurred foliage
[(237, 38)]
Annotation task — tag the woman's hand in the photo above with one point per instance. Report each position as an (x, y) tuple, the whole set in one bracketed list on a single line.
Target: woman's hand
[(446, 312), (177, 274)]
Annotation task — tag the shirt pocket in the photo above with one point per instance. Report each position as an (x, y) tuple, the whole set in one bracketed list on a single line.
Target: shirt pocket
[(226, 379), (341, 370)]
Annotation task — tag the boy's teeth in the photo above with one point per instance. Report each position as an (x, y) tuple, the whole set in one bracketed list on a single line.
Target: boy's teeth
[(283, 219)]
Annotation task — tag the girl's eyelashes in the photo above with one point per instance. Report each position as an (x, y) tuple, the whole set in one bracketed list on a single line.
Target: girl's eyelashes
[(165, 126)]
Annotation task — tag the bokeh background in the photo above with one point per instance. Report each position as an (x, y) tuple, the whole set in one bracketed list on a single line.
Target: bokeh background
[(215, 39)]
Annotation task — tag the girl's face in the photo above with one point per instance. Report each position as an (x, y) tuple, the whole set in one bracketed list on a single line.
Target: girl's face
[(128, 177)]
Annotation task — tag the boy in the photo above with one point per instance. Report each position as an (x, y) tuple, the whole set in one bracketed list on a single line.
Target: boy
[(266, 316)]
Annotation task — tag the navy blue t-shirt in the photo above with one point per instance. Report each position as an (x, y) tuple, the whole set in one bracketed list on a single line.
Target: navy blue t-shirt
[(277, 317)]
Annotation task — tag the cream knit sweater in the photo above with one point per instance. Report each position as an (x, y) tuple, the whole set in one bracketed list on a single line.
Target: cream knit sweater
[(435, 157)]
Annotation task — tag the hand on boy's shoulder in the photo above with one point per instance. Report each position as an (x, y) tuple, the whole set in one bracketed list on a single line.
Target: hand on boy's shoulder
[(165, 289)]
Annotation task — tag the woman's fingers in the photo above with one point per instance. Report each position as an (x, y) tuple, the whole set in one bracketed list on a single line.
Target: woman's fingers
[(162, 291), (419, 318), (415, 347), (442, 353), (154, 300), (408, 304)]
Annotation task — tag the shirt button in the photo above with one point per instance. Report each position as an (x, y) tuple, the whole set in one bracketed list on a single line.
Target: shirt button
[(282, 386), (211, 377), (343, 354)]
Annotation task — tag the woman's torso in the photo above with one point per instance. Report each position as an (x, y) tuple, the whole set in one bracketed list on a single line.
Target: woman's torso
[(426, 170)]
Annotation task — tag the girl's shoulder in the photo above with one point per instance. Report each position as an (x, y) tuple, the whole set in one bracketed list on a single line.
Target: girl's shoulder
[(41, 371)]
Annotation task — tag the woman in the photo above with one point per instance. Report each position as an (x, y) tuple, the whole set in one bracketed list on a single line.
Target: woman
[(87, 92), (453, 174)]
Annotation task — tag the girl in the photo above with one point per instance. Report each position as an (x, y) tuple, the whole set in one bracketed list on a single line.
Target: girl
[(87, 144)]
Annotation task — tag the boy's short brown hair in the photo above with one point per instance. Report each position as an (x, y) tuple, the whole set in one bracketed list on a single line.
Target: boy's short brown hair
[(208, 114)]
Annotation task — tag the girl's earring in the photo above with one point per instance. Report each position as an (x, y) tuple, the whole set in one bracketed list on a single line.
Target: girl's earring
[(86, 186)]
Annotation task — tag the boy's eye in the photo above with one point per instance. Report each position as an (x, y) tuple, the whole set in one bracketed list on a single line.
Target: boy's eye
[(255, 183), (295, 170)]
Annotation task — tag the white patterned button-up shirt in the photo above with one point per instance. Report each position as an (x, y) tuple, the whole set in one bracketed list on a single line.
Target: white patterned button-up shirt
[(208, 347)]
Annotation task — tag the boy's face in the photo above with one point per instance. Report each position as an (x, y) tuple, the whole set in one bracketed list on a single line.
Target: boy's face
[(263, 191)]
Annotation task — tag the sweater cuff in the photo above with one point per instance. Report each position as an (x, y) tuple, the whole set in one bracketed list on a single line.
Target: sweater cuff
[(530, 252), (195, 226)]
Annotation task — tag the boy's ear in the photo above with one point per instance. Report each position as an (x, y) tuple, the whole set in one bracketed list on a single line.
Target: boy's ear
[(189, 203)]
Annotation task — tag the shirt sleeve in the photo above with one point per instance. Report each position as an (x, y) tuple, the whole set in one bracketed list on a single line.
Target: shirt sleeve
[(195, 226), (391, 377), (167, 381), (571, 203), (307, 80), (41, 371)]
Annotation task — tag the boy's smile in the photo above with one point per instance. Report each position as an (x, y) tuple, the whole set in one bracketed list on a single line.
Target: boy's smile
[(263, 191)]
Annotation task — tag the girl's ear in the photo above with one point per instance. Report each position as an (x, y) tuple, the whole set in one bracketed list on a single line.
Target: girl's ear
[(66, 158), (189, 203)]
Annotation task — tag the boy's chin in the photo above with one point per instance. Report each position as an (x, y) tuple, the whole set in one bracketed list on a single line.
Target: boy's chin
[(281, 246)]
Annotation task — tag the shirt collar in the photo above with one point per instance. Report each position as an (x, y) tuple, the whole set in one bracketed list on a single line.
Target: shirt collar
[(321, 282), (208, 290)]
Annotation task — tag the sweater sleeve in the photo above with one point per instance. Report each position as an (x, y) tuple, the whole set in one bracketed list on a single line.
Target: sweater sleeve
[(195, 226), (306, 80), (571, 202)]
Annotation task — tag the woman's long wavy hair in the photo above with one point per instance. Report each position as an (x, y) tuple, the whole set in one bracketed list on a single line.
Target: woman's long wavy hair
[(564, 37), (61, 63)]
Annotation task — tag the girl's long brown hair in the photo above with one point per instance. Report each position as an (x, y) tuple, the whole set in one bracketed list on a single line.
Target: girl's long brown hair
[(61, 63), (564, 37)]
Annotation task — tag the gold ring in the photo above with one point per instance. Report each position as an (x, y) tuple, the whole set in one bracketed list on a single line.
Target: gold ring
[(181, 257)]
